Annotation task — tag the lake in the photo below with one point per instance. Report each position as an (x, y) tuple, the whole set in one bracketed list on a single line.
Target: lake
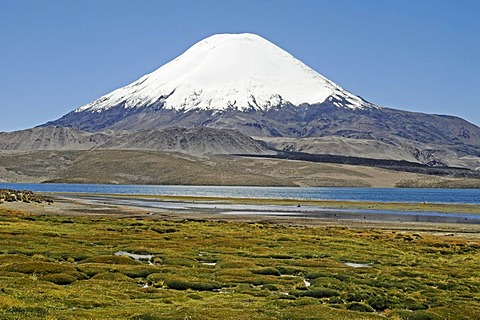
[(456, 196)]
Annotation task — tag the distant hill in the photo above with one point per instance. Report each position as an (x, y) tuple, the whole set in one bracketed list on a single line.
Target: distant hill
[(51, 138), (193, 141), (170, 168)]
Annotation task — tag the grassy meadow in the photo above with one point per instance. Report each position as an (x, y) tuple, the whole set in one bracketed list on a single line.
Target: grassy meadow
[(65, 267)]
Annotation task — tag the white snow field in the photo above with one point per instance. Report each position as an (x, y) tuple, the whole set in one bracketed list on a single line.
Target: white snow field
[(239, 71)]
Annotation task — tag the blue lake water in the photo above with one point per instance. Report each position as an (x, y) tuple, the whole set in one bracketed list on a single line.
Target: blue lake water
[(457, 196)]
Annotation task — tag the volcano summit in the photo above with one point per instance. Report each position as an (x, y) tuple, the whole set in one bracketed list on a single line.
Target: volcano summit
[(240, 71)]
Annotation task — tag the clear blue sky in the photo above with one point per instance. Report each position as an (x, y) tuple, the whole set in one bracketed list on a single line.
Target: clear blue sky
[(57, 55)]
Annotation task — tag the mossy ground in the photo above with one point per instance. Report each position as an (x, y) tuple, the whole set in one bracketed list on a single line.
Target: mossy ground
[(64, 267)]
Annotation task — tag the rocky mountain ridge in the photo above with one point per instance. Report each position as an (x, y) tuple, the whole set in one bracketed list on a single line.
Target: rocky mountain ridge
[(196, 141)]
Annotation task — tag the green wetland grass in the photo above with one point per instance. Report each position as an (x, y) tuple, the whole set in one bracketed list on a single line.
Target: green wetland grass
[(65, 267)]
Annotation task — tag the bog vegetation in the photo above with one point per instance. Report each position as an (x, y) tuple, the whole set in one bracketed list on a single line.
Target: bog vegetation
[(84, 267)]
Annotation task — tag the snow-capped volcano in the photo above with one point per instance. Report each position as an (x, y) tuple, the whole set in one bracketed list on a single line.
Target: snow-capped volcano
[(239, 71), (244, 83)]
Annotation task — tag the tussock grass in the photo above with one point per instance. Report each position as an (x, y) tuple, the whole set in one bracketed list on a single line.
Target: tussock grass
[(52, 269)]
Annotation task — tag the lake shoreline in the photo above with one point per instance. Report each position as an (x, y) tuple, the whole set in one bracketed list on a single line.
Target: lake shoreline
[(112, 208)]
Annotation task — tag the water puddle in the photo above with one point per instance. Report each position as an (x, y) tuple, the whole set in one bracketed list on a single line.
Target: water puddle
[(357, 265), (213, 264), (138, 257)]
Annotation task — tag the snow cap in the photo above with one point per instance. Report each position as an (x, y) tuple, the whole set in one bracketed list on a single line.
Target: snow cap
[(240, 71)]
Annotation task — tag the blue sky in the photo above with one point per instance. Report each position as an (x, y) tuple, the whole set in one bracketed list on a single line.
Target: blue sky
[(414, 55)]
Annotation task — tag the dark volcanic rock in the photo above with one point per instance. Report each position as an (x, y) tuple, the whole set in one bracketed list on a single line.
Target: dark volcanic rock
[(382, 124), (425, 136)]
